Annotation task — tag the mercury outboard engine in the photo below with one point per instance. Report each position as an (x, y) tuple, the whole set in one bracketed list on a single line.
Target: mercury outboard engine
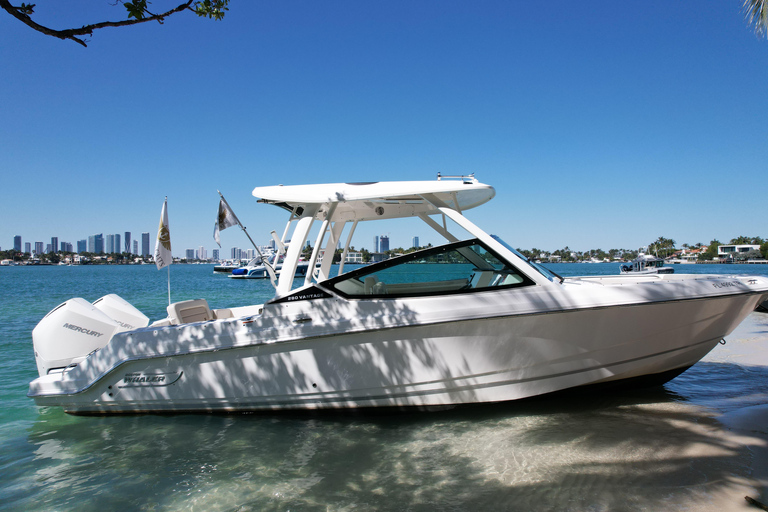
[(74, 329)]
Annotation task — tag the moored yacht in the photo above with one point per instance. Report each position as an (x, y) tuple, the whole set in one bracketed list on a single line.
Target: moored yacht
[(468, 321), (228, 266), (256, 268), (646, 264)]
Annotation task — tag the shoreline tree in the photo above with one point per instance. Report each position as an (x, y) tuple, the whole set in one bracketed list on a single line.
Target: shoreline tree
[(138, 12)]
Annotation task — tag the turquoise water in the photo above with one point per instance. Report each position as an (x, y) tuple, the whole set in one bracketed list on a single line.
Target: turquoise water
[(606, 452)]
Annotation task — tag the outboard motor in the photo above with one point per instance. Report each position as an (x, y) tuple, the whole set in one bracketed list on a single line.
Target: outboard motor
[(74, 329), (122, 312)]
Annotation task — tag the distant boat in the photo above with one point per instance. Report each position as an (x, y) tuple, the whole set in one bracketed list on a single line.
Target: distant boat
[(646, 264), (227, 267), (255, 269)]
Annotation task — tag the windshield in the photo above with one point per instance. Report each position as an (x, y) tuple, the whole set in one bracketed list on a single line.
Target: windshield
[(461, 267), (552, 276)]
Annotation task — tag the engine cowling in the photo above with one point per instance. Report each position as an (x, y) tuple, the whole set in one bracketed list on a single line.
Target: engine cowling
[(74, 329)]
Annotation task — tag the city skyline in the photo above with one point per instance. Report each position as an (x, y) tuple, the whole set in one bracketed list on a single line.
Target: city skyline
[(380, 245)]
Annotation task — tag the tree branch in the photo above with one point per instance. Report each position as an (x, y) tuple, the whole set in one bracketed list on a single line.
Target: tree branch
[(87, 30)]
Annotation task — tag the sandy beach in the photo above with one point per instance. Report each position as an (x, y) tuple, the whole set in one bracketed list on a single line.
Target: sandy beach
[(744, 430)]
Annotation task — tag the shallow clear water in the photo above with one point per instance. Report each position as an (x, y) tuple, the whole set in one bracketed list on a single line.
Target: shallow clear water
[(655, 449)]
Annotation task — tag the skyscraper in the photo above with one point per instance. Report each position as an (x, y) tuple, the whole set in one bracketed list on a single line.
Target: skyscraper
[(415, 242), (118, 246), (202, 254), (95, 243), (145, 244), (99, 243), (27, 247), (110, 244), (375, 244), (190, 254), (128, 241), (383, 243), (82, 246), (17, 243), (54, 244), (38, 248), (136, 247), (215, 255)]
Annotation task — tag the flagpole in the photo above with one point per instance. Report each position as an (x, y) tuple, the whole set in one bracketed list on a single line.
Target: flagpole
[(269, 268), (169, 266)]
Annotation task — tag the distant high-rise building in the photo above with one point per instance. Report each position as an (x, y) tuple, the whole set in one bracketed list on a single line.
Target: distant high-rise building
[(383, 243), (48, 248), (17, 243), (82, 246), (39, 248), (99, 243), (190, 254), (118, 245), (236, 253), (375, 244), (66, 247), (202, 254), (28, 247), (54, 243), (145, 244), (415, 242), (110, 244), (128, 242), (216, 254), (135, 247)]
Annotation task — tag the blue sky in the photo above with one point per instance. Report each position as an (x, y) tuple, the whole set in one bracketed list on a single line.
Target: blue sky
[(600, 124)]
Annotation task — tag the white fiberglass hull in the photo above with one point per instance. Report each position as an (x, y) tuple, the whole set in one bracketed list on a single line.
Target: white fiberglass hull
[(388, 361)]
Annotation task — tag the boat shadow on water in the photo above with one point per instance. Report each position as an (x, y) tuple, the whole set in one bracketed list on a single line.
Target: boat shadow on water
[(659, 448)]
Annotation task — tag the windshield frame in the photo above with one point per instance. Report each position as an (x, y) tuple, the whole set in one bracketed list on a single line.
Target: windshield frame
[(544, 271), (330, 284)]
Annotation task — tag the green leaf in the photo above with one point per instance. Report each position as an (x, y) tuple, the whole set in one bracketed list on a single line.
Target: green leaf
[(136, 9), (214, 9)]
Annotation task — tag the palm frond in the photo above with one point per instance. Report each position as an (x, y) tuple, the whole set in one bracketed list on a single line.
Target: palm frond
[(756, 12)]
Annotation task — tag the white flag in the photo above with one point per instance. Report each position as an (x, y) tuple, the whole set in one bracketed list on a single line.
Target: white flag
[(225, 219), (163, 256)]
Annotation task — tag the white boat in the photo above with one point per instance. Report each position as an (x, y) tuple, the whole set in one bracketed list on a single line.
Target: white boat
[(255, 269), (227, 267), (471, 321), (646, 264)]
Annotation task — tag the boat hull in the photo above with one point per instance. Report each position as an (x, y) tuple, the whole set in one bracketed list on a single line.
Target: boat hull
[(465, 361)]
